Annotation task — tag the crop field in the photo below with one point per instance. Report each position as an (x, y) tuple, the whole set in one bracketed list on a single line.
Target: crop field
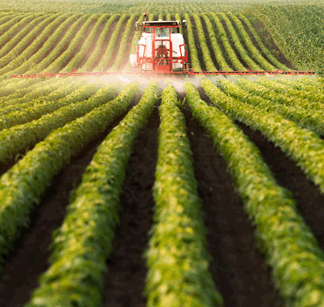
[(129, 190)]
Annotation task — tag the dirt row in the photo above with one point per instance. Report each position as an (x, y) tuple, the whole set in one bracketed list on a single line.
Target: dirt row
[(238, 268)]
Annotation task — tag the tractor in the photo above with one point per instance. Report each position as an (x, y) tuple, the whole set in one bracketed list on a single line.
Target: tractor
[(161, 48)]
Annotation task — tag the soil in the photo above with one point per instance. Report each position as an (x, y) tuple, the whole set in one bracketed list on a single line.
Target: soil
[(125, 281), (308, 198), (238, 268)]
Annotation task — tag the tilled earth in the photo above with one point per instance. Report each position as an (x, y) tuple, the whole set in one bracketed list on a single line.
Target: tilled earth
[(238, 268)]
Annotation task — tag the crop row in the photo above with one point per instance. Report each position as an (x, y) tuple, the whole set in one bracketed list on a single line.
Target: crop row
[(255, 53), (45, 49), (20, 137), (10, 37), (297, 30), (177, 257), (24, 184), (84, 241), (290, 247), (221, 61), (33, 110), (302, 145), (292, 109), (111, 45), (103, 36), (19, 52), (192, 45), (203, 45), (224, 39), (90, 40)]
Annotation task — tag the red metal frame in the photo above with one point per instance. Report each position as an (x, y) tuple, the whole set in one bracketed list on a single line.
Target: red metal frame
[(186, 72), (162, 60)]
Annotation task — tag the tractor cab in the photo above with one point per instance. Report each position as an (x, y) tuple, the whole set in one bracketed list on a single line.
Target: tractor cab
[(161, 48)]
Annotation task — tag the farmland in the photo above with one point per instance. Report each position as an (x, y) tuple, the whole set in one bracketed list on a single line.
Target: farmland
[(126, 190)]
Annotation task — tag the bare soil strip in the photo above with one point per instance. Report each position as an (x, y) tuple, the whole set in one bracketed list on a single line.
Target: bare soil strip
[(125, 280)]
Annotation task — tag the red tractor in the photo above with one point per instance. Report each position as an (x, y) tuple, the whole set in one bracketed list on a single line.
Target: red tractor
[(161, 48)]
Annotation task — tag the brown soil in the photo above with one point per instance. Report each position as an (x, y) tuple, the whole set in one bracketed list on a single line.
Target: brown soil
[(125, 281), (238, 268), (308, 198)]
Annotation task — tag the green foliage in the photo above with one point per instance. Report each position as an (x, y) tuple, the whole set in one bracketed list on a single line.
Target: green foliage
[(297, 29), (84, 241), (230, 53), (24, 136), (302, 145), (192, 45), (290, 247), (203, 45), (123, 43), (292, 108), (25, 183), (111, 45), (177, 257), (215, 44)]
